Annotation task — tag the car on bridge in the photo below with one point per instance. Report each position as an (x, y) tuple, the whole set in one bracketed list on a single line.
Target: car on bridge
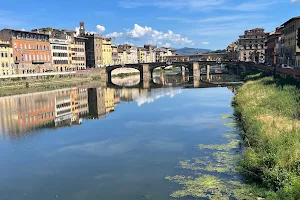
[(284, 66)]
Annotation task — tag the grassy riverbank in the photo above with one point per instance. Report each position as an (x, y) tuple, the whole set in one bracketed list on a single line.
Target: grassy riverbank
[(269, 110)]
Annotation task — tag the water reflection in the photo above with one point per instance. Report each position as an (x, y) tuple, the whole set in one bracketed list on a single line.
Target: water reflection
[(22, 114)]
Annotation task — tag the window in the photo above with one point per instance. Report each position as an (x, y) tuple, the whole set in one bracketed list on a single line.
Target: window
[(33, 57), (25, 46), (29, 47)]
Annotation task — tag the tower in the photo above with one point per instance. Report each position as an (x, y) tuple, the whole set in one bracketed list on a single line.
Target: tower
[(81, 29)]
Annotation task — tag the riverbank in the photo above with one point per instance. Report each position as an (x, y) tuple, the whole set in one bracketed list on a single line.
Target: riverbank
[(268, 109), (27, 86)]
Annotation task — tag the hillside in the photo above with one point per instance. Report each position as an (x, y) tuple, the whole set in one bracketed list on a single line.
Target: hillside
[(186, 50)]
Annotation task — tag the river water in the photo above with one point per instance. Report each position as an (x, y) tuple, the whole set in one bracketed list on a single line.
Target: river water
[(106, 143)]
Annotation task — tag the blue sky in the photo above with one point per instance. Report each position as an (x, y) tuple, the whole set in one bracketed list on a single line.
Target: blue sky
[(211, 24)]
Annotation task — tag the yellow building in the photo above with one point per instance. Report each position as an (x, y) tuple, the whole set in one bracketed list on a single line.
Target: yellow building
[(109, 100), (106, 52), (142, 55), (122, 57), (6, 59)]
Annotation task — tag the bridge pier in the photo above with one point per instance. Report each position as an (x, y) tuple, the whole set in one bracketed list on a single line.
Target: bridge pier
[(145, 73), (208, 72), (183, 72)]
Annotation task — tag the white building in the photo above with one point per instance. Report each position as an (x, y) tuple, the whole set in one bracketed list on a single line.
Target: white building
[(59, 52)]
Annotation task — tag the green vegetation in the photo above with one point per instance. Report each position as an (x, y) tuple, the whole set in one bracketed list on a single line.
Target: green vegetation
[(210, 187), (219, 51), (123, 75), (209, 174), (96, 78), (27, 85), (225, 116), (268, 109)]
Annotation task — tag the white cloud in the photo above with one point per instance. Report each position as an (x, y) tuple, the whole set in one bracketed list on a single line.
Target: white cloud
[(100, 28), (155, 36), (23, 29), (205, 43), (77, 30), (295, 1)]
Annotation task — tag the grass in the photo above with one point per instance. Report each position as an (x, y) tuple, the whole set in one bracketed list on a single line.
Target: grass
[(269, 110), (123, 75)]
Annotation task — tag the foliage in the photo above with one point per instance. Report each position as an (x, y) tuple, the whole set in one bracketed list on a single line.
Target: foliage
[(27, 84), (269, 108)]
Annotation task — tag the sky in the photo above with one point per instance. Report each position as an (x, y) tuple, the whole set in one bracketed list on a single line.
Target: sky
[(208, 24)]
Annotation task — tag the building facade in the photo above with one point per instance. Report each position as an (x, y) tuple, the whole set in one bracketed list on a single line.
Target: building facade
[(252, 46), (114, 50), (106, 52), (271, 49), (60, 55), (232, 51), (31, 51), (6, 59), (142, 55), (290, 44), (78, 53)]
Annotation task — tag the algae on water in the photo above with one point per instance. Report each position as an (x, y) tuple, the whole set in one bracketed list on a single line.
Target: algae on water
[(234, 144), (225, 116), (211, 187), (208, 181)]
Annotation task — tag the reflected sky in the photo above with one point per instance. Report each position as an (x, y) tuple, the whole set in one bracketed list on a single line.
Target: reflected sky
[(104, 143)]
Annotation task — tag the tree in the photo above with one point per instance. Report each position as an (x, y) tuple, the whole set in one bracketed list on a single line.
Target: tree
[(219, 51)]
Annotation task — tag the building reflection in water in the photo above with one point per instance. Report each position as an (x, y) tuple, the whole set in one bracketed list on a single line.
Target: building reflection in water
[(22, 114)]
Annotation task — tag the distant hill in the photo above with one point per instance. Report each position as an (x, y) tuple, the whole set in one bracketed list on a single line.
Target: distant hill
[(186, 51)]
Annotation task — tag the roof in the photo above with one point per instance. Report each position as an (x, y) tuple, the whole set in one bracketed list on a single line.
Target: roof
[(81, 37), (25, 31), (290, 20)]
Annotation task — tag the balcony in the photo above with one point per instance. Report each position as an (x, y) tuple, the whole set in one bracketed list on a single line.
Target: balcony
[(17, 61), (39, 62)]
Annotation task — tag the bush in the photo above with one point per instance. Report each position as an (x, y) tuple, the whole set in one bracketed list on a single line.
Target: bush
[(27, 85)]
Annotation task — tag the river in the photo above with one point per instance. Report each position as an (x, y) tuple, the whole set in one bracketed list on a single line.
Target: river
[(110, 143)]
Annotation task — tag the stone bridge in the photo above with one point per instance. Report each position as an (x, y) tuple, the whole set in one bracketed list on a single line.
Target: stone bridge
[(146, 69)]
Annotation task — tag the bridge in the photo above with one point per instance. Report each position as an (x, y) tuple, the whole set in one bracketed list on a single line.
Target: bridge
[(146, 69)]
